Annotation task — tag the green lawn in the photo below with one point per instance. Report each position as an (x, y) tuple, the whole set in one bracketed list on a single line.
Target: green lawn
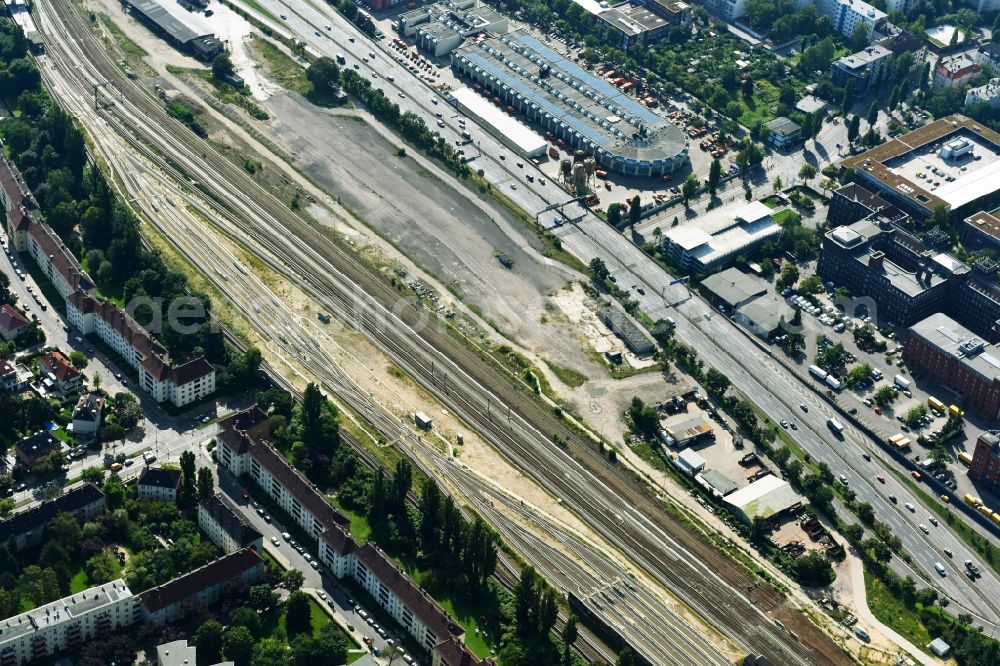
[(127, 45), (467, 615), (893, 613), (360, 529), (782, 215), (281, 68), (568, 376), (318, 617)]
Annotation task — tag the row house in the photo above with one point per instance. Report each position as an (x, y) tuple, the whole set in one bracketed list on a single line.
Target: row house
[(226, 526), (178, 384), (26, 528), (67, 624), (165, 603), (12, 322), (19, 207), (244, 450)]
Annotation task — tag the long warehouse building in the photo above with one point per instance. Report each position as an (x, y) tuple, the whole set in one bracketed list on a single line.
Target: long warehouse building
[(181, 27), (585, 111), (513, 133)]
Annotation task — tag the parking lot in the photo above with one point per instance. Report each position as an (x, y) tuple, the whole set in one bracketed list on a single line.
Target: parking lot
[(876, 343)]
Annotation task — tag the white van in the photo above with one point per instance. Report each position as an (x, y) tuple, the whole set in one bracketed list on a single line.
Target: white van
[(940, 569)]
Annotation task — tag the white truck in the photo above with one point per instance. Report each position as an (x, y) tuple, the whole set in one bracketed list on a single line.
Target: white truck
[(833, 382), (835, 427), (817, 372), (901, 381)]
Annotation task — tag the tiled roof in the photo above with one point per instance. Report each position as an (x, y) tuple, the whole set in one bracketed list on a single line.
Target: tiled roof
[(30, 449), (19, 219), (59, 366), (222, 570), (230, 519), (190, 371), (421, 604), (296, 484), (88, 407), (453, 652), (160, 478), (74, 500), (62, 259), (10, 319), (339, 541)]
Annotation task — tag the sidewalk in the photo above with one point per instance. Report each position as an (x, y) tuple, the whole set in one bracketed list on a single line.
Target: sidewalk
[(872, 624)]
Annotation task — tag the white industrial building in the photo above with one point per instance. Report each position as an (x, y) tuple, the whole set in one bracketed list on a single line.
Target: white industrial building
[(718, 237), (67, 623), (764, 498), (690, 462), (513, 133)]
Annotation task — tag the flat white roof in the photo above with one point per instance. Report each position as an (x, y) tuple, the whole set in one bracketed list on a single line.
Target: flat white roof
[(764, 497), (753, 212), (528, 141), (592, 6), (980, 183), (689, 237)]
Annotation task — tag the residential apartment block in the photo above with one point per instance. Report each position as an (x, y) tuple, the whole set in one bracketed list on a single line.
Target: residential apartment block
[(67, 623), (955, 71), (26, 528), (243, 449), (180, 384), (847, 15), (986, 460), (862, 67), (908, 281), (165, 603), (87, 415), (226, 526), (946, 352), (988, 94), (159, 484)]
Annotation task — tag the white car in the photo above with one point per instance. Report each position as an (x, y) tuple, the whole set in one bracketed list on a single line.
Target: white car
[(923, 528), (275, 541), (286, 536), (910, 507), (934, 521)]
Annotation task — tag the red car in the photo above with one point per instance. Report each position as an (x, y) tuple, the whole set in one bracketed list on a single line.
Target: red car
[(881, 479), (878, 410), (916, 475)]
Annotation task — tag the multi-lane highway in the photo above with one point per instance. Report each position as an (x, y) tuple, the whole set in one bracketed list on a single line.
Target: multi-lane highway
[(718, 340)]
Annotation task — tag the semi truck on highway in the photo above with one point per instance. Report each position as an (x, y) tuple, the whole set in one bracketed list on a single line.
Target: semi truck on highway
[(835, 427), (817, 372)]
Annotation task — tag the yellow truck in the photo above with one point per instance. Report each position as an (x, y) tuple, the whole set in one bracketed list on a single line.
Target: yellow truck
[(965, 457)]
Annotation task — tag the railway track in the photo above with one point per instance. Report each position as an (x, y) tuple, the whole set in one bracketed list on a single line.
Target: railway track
[(615, 503)]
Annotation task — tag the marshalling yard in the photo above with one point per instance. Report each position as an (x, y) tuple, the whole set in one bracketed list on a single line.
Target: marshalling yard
[(594, 530)]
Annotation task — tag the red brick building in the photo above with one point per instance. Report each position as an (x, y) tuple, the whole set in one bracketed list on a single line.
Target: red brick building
[(946, 352), (986, 459)]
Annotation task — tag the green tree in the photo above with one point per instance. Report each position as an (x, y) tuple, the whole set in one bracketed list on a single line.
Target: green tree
[(127, 410), (853, 128), (634, 212), (807, 172), (78, 359), (64, 529), (298, 614), (690, 188), (615, 214), (222, 66), (645, 419), (569, 636), (873, 114), (248, 618), (914, 415), (625, 658), (93, 475), (323, 74), (262, 597), (206, 485), (293, 579), (884, 396), (208, 638), (848, 99), (269, 652), (187, 493), (995, 31), (716, 383), (789, 275), (599, 269), (813, 569), (714, 175), (747, 89)]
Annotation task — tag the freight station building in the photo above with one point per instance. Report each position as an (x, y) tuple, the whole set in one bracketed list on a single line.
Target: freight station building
[(179, 26), (587, 112)]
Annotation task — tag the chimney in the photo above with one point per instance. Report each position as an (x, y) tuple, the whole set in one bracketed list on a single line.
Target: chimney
[(876, 259)]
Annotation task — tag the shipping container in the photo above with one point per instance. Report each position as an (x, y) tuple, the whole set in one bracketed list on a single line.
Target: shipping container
[(901, 381)]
